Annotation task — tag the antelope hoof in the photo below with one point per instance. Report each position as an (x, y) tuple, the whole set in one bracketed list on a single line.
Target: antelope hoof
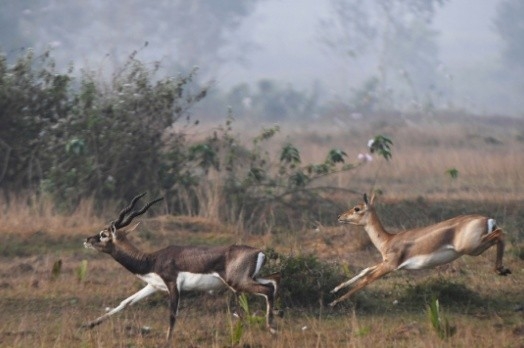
[(503, 271), (273, 331)]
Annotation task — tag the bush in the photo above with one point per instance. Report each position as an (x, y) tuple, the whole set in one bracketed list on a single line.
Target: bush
[(73, 138), (306, 281), (77, 137), (264, 190)]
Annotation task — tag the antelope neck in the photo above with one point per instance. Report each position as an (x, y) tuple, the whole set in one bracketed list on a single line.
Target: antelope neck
[(132, 259), (378, 235)]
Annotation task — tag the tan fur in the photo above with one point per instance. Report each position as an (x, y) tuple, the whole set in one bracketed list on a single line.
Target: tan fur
[(419, 248)]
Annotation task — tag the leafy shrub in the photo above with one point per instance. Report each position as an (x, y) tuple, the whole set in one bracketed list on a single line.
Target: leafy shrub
[(114, 142), (74, 137), (33, 96), (306, 281), (266, 190)]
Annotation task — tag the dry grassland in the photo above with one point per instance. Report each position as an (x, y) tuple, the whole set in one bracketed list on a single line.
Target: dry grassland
[(38, 310)]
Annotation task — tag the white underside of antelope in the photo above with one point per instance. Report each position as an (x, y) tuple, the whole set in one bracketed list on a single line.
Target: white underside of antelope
[(445, 254)]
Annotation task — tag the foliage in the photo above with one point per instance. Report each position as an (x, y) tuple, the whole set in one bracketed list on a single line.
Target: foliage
[(439, 323), (248, 319), (265, 190), (76, 139), (79, 137), (306, 280), (81, 271), (115, 137), (453, 173), (33, 97), (381, 145)]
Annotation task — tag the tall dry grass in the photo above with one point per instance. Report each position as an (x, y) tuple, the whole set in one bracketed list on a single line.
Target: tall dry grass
[(489, 159), (486, 153), (25, 214)]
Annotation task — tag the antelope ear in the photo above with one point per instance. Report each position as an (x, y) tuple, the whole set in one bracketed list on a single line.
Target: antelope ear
[(112, 229), (373, 198), (366, 199)]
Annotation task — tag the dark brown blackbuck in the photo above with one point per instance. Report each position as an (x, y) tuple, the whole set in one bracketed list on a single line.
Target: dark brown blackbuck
[(421, 248), (183, 268)]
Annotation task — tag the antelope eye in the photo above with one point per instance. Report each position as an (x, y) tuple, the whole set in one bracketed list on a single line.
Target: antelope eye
[(103, 234), (357, 209)]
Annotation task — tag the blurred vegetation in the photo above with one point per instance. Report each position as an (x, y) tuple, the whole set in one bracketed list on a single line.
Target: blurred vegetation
[(306, 280), (76, 138), (70, 137)]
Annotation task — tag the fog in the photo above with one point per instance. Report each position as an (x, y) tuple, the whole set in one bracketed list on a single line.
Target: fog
[(245, 42)]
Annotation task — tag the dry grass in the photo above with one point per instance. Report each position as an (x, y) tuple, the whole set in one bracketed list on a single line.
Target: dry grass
[(26, 215), (488, 157), (38, 311), (48, 313)]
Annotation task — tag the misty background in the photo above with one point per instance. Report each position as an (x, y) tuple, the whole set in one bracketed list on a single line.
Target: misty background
[(291, 59)]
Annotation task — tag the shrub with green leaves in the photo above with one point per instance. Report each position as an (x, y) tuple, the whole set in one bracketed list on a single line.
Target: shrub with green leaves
[(306, 281), (74, 137), (268, 191), (115, 141)]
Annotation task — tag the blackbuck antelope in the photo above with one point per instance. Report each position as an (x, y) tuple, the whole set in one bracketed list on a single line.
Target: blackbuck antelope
[(421, 248), (183, 268)]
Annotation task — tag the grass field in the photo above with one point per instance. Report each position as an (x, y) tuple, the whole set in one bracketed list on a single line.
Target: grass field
[(42, 309)]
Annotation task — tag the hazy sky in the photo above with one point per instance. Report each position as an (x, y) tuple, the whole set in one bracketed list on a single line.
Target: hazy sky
[(287, 37), (289, 49)]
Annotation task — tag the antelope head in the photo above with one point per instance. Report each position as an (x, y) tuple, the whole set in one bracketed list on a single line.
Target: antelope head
[(359, 214), (105, 240)]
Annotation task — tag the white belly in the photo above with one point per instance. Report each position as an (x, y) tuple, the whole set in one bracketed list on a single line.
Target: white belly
[(439, 257), (188, 281)]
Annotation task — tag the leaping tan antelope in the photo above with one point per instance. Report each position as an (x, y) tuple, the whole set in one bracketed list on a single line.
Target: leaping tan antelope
[(421, 248), (183, 268)]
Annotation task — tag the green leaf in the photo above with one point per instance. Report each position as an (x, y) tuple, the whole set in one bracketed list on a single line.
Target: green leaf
[(75, 146), (237, 332), (81, 271), (438, 322), (336, 156), (381, 145), (257, 174), (298, 179), (244, 303), (453, 173), (205, 155), (290, 155), (266, 134)]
